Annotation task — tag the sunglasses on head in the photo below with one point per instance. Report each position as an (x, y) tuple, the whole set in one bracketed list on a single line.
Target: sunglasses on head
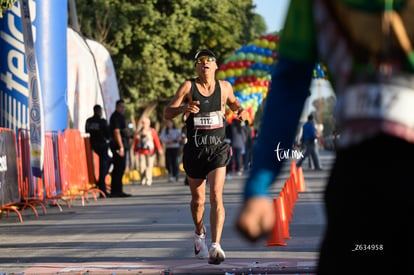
[(205, 58)]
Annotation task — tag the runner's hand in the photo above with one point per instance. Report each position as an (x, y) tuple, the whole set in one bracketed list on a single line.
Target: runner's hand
[(242, 115), (192, 107), (256, 219)]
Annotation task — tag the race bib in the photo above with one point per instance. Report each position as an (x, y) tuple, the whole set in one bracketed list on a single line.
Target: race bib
[(378, 101), (212, 120)]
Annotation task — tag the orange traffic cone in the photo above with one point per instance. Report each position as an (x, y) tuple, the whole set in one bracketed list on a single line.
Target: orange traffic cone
[(276, 237), (294, 172), (288, 203), (291, 185), (301, 181), (283, 217)]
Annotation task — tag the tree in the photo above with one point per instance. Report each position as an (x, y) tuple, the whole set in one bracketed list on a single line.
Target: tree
[(152, 42), (259, 24), (5, 5)]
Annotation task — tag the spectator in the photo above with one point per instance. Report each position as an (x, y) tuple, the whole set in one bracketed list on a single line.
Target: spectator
[(98, 129), (227, 140), (119, 147), (171, 137), (238, 142), (146, 144), (248, 148), (309, 141)]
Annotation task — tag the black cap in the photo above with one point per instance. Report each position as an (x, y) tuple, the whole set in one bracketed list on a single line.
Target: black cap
[(204, 52)]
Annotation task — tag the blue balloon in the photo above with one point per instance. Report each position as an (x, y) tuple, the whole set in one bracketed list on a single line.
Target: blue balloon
[(232, 80), (252, 48), (260, 66), (268, 52), (260, 51)]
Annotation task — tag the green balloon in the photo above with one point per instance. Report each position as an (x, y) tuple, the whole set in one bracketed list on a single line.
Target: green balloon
[(233, 57), (249, 72), (257, 58), (241, 56), (250, 57)]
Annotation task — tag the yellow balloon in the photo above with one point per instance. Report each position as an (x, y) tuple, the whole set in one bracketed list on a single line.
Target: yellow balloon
[(221, 75), (264, 43), (272, 45), (238, 72), (269, 60), (229, 72)]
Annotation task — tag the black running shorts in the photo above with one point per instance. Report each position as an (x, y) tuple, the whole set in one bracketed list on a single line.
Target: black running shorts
[(199, 161)]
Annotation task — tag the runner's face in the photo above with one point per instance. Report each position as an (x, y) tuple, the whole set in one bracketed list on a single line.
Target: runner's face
[(206, 65)]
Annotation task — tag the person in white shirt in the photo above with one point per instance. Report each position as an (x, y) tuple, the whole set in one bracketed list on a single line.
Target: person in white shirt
[(171, 137)]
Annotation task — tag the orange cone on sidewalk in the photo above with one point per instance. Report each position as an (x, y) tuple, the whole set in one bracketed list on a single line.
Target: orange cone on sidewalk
[(283, 217), (276, 237), (301, 181), (294, 172), (291, 185), (288, 202)]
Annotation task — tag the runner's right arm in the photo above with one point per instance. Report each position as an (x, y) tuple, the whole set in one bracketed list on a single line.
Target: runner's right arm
[(175, 107)]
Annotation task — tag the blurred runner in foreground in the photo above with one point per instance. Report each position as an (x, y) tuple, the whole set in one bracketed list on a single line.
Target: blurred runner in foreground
[(367, 47)]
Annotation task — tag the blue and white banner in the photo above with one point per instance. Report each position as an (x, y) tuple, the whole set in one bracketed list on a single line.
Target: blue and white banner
[(37, 129), (48, 20), (13, 75)]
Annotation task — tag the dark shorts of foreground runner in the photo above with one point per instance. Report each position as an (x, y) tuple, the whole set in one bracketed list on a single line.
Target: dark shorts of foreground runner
[(199, 161)]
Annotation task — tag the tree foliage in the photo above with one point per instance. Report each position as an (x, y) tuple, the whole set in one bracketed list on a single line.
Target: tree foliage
[(152, 42), (5, 5)]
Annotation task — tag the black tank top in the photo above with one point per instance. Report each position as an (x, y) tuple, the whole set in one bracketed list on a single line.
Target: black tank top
[(207, 127)]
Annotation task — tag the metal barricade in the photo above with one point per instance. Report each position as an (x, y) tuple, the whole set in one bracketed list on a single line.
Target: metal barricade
[(55, 185), (9, 173), (92, 162), (76, 167), (31, 187)]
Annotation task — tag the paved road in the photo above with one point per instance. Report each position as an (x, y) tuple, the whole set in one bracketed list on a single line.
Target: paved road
[(152, 233)]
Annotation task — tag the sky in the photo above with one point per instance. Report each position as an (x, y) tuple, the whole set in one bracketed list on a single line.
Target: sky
[(273, 12)]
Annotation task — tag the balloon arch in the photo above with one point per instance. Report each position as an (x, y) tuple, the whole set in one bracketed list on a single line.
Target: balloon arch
[(248, 69)]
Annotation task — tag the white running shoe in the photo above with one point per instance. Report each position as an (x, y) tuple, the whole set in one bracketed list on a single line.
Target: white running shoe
[(200, 245), (216, 254)]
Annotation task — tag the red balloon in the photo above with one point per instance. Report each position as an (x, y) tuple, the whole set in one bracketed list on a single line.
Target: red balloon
[(231, 65), (247, 63), (223, 67), (270, 37), (250, 79), (239, 64)]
